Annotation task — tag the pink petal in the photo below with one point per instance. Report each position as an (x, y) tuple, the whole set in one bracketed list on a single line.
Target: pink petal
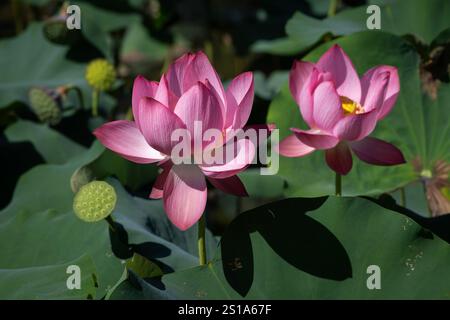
[(199, 104), (200, 70), (164, 95), (242, 155), (125, 139), (356, 126), (176, 72), (392, 90), (304, 97), (346, 80), (185, 195), (378, 152), (292, 147), (157, 124), (376, 92), (327, 106), (223, 107), (230, 112), (339, 158), (316, 139), (299, 77), (158, 186), (232, 185), (142, 88), (243, 90)]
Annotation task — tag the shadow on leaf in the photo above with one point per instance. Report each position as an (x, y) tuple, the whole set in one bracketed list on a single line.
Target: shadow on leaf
[(440, 225), (150, 250), (297, 238)]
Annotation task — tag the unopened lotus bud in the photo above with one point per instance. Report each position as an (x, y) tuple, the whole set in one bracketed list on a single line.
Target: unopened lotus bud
[(46, 105), (56, 31), (100, 74), (94, 201)]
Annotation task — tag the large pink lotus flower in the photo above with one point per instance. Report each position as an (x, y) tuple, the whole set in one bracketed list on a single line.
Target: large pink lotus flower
[(189, 91), (342, 110)]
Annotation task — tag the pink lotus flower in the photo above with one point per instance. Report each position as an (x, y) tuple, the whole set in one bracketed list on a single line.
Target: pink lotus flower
[(190, 91), (342, 110)]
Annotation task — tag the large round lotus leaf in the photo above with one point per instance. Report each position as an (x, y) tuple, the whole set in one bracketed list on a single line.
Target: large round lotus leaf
[(399, 17), (320, 248), (49, 66)]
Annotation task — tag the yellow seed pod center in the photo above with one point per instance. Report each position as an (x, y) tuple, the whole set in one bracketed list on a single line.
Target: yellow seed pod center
[(94, 201), (350, 107), (100, 74)]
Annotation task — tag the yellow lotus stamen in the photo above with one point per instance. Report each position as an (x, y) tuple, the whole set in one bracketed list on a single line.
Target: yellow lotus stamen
[(351, 107)]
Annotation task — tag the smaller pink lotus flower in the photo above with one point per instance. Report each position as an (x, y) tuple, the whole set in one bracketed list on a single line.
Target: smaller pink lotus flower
[(342, 110), (189, 93)]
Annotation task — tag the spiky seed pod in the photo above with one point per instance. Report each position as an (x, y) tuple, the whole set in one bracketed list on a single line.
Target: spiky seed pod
[(94, 201), (100, 74), (45, 104)]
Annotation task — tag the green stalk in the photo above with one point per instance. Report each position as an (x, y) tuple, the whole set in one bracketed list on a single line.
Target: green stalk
[(79, 95), (110, 221), (424, 186), (201, 241), (332, 7), (403, 197), (16, 11), (95, 98), (78, 92), (338, 184)]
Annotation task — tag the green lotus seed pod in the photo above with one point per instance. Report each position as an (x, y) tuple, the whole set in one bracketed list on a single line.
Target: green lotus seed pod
[(100, 74), (44, 104), (94, 201)]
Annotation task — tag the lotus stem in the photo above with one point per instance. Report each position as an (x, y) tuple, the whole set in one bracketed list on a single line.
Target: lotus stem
[(111, 223), (201, 241), (403, 197), (79, 95), (338, 184), (95, 98), (332, 7), (424, 186), (16, 10), (78, 92)]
